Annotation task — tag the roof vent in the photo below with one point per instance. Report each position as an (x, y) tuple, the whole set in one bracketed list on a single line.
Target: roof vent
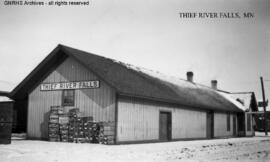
[(190, 76), (214, 84)]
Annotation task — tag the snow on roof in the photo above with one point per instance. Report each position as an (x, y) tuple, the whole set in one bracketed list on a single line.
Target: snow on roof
[(231, 98), (181, 82), (161, 76), (5, 99), (243, 98)]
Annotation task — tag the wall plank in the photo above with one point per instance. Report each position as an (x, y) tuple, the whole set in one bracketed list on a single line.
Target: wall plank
[(139, 120), (99, 103), (220, 125)]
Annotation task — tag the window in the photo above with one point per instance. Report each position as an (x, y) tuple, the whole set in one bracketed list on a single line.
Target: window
[(228, 122), (248, 122), (68, 97)]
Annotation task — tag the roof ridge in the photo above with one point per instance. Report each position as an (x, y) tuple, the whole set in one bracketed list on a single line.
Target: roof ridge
[(90, 53), (156, 71)]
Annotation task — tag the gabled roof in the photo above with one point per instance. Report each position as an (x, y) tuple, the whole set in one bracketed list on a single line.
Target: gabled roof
[(229, 97), (131, 81), (247, 99)]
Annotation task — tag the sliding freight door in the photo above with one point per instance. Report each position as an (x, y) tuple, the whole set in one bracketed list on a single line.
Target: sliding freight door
[(210, 125), (165, 124)]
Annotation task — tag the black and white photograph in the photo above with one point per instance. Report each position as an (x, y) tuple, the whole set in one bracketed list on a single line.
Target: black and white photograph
[(134, 81)]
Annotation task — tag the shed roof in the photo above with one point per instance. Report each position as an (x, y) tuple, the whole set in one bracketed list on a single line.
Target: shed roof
[(131, 81)]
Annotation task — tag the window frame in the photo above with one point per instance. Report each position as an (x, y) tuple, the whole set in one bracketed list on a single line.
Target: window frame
[(73, 97)]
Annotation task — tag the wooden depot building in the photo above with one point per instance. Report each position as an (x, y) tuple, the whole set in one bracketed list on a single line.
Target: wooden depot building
[(145, 105)]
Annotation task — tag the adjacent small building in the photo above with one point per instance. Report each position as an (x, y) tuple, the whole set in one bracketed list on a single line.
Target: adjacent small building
[(6, 118), (145, 105), (250, 107)]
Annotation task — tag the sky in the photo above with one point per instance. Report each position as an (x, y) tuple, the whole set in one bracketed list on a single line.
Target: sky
[(145, 33)]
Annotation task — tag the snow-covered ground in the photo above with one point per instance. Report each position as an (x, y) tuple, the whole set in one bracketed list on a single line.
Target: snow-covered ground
[(233, 149)]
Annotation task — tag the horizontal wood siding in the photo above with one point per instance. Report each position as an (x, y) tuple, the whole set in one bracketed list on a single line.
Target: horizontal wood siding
[(99, 103), (220, 125), (138, 120)]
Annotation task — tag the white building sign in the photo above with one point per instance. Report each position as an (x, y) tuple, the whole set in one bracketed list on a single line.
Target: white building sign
[(69, 85)]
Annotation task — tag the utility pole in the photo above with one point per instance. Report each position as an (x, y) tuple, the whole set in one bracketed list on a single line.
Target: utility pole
[(264, 107)]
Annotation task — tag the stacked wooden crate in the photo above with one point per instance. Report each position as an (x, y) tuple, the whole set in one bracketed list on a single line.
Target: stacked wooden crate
[(74, 114), (87, 128), (54, 123), (63, 125), (79, 130), (94, 131), (73, 127), (79, 138), (107, 132)]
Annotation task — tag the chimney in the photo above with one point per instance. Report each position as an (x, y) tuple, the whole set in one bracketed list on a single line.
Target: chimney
[(214, 84), (190, 76)]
